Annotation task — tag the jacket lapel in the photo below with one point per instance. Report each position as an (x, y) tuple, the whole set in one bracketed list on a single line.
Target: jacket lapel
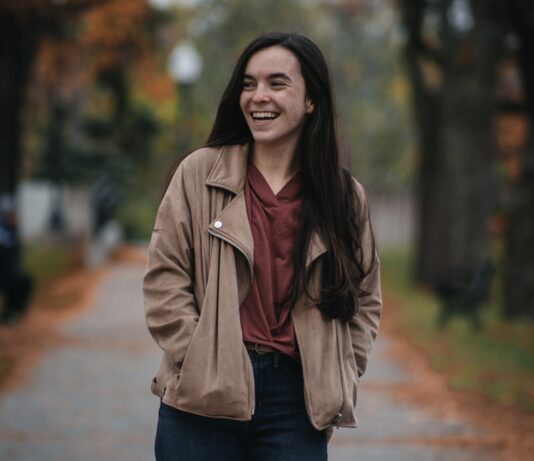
[(231, 224), (230, 168)]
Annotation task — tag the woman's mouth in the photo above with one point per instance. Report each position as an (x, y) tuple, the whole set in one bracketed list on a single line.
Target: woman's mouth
[(263, 116)]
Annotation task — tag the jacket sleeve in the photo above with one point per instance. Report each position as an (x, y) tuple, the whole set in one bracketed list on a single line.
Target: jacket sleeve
[(364, 325), (171, 311)]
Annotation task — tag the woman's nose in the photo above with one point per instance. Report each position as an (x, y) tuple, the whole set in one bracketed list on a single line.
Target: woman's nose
[(260, 95)]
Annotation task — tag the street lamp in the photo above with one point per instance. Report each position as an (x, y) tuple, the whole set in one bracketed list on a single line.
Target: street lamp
[(184, 67)]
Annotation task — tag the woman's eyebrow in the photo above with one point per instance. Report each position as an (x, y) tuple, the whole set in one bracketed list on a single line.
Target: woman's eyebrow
[(281, 75)]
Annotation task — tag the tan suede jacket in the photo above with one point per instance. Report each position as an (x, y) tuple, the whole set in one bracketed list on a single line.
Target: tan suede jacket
[(199, 271)]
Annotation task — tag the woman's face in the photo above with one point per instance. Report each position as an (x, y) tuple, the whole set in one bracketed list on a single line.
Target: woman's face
[(273, 99)]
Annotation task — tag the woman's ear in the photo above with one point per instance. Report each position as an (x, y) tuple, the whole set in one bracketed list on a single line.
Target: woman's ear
[(309, 105)]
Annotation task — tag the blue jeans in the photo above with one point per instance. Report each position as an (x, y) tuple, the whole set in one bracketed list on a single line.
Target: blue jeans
[(279, 430)]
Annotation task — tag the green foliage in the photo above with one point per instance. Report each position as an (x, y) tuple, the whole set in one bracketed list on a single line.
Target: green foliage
[(47, 261), (137, 218), (496, 362), (5, 367), (372, 94)]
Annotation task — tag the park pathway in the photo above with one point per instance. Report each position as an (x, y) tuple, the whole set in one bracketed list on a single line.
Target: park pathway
[(88, 399)]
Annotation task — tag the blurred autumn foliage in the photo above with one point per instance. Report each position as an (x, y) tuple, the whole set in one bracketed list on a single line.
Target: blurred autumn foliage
[(63, 52), (81, 81)]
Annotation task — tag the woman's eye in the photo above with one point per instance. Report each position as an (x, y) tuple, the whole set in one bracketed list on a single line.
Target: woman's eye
[(278, 84), (247, 85)]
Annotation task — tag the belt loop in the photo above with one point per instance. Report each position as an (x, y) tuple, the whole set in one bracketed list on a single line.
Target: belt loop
[(276, 357)]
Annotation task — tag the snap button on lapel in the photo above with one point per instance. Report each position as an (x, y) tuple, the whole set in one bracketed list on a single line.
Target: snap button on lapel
[(217, 224)]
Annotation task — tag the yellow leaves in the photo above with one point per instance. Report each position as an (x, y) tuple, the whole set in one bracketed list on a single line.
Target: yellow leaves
[(432, 74), (398, 89)]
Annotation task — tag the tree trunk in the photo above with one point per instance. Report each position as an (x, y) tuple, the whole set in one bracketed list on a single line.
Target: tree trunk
[(466, 197), (518, 281), (468, 94), (430, 220), (426, 102), (452, 85), (17, 47)]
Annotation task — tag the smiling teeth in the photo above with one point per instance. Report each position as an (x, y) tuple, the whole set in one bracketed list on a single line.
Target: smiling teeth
[(264, 115)]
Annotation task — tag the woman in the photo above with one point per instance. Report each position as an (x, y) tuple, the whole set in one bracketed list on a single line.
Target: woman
[(262, 285)]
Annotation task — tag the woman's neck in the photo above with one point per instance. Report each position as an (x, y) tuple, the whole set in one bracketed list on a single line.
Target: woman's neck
[(277, 164)]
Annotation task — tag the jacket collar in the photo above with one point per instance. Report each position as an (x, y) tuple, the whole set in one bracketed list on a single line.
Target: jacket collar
[(230, 168), (229, 172)]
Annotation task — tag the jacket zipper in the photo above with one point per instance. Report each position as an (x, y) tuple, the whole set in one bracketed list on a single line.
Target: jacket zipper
[(341, 376)]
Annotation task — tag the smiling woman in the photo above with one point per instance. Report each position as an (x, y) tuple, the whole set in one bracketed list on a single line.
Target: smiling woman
[(274, 103), (262, 285)]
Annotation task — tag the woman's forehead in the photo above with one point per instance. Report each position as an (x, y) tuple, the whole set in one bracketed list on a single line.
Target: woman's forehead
[(273, 60)]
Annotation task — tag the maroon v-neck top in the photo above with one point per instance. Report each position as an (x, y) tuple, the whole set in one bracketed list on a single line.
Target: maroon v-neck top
[(274, 221)]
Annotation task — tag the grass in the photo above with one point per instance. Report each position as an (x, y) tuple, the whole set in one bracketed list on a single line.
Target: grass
[(497, 361), (47, 262), (5, 366)]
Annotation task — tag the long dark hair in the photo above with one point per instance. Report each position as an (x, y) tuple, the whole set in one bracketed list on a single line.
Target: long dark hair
[(330, 203)]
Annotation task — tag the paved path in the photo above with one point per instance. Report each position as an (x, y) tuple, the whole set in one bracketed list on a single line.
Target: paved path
[(88, 400), (392, 431)]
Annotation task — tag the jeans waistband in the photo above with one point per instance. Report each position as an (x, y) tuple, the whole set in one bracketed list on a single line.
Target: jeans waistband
[(260, 349)]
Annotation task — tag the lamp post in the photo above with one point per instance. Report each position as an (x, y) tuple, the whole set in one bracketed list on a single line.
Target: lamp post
[(55, 146), (184, 67)]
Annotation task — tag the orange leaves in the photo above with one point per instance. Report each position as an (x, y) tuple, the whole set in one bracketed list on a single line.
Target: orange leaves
[(113, 32), (60, 65), (109, 35), (152, 80)]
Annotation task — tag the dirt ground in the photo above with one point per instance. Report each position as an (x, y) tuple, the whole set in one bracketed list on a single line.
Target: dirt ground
[(507, 431)]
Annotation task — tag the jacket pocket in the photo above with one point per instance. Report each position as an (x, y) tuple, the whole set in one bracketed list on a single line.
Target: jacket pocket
[(166, 378), (157, 387)]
